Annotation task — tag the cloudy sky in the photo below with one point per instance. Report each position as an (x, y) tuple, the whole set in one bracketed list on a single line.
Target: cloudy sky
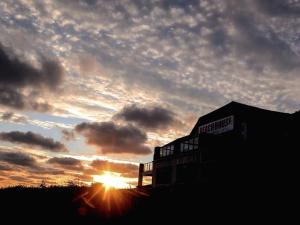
[(88, 86)]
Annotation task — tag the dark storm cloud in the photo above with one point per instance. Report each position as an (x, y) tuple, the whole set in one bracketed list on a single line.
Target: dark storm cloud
[(126, 169), (33, 139), (67, 163), (115, 139), (152, 117), (17, 75), (18, 158)]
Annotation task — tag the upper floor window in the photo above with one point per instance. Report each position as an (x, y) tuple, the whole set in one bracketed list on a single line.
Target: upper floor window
[(166, 150), (190, 144)]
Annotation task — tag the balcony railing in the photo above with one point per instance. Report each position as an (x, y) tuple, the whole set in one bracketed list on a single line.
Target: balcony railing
[(148, 167)]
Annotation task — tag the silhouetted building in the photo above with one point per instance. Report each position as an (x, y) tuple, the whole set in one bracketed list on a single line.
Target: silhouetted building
[(236, 143)]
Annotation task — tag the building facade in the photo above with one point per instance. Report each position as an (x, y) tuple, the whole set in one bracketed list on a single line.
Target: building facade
[(235, 143)]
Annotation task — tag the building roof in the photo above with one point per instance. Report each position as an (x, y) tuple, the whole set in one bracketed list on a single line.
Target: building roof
[(235, 108)]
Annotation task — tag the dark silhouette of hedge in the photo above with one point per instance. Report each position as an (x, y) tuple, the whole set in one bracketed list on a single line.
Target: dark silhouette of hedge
[(188, 204)]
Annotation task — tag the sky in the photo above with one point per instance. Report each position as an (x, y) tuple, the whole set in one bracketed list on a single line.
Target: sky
[(89, 86)]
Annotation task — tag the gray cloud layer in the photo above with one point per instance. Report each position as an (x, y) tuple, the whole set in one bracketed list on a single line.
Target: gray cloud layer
[(126, 169), (114, 139), (198, 54), (204, 53), (33, 139)]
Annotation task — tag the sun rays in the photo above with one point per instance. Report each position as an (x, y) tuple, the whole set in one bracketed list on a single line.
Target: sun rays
[(111, 180)]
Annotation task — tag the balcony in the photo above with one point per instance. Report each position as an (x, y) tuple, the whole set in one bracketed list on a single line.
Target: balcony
[(148, 167)]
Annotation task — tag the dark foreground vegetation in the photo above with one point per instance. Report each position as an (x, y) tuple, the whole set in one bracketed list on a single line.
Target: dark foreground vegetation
[(194, 204)]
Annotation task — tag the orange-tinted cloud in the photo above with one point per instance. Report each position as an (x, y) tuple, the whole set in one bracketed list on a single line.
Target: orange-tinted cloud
[(126, 169), (17, 158)]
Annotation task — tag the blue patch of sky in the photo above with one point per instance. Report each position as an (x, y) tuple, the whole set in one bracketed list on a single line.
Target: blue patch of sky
[(57, 119), (78, 146), (25, 23), (109, 97)]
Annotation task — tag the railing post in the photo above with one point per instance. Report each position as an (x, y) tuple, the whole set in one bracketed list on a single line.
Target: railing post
[(141, 171)]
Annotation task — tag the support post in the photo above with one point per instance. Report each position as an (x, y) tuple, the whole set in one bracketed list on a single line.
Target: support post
[(141, 171)]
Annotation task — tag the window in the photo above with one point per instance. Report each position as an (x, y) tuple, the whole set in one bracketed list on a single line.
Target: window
[(167, 150), (189, 145), (185, 147), (196, 139)]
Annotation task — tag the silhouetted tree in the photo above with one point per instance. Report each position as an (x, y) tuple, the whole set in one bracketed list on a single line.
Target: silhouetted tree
[(43, 184)]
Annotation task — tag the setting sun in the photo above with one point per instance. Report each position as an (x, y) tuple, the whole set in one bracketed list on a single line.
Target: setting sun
[(111, 180)]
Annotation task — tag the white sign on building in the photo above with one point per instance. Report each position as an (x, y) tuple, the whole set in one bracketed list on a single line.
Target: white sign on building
[(218, 126)]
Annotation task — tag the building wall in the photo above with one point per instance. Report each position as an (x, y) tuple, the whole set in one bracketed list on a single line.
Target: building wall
[(250, 151)]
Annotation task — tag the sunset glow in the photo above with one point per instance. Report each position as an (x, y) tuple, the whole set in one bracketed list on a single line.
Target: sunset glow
[(111, 180)]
